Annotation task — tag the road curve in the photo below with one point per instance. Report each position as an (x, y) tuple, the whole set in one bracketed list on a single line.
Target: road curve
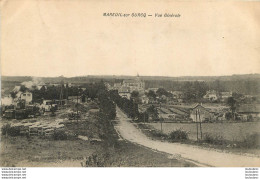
[(199, 156)]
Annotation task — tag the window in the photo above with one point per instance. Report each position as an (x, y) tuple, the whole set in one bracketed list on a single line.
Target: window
[(24, 94), (28, 94)]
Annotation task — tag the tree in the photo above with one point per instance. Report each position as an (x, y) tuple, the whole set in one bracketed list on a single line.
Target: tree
[(135, 94), (153, 112), (23, 88), (162, 91), (151, 94), (231, 102), (143, 117), (13, 94), (228, 116), (135, 97)]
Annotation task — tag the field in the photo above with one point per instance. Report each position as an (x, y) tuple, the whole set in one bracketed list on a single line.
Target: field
[(21, 152), (229, 131)]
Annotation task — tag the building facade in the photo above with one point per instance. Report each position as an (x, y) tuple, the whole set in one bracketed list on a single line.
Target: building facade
[(200, 114)]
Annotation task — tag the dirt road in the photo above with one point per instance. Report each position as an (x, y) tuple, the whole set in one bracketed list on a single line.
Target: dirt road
[(200, 156)]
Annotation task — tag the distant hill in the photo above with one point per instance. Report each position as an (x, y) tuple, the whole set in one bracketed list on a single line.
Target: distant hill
[(181, 78), (245, 84), (88, 78)]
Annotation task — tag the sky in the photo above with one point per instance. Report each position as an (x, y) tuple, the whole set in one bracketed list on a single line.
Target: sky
[(73, 38)]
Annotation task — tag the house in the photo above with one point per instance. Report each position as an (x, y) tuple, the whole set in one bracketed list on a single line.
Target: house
[(144, 99), (40, 85), (249, 111), (125, 94), (152, 101), (135, 84), (27, 96), (152, 89), (211, 95), (75, 99), (108, 86), (17, 88), (47, 105), (199, 113), (225, 95), (177, 94), (6, 101), (117, 86)]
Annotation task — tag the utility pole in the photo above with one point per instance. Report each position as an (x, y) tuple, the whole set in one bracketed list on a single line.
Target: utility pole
[(161, 119), (77, 103), (61, 93), (197, 125), (200, 125), (161, 124)]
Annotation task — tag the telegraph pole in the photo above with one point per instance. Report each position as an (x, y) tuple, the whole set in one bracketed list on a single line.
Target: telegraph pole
[(61, 93), (77, 102), (200, 125), (161, 118), (161, 124), (197, 125)]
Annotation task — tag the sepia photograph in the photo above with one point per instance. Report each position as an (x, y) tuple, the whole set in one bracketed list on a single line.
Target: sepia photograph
[(130, 84)]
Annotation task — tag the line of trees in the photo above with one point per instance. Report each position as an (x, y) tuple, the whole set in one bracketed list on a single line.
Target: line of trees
[(244, 86), (128, 106), (107, 114), (53, 92)]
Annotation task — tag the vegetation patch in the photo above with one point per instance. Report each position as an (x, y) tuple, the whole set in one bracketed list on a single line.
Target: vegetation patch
[(251, 141), (60, 135), (178, 135), (7, 129), (214, 139)]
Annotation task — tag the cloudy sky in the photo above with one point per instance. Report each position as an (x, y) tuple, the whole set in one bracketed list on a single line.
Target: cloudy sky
[(72, 38)]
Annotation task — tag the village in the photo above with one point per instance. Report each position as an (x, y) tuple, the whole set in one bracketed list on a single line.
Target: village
[(171, 106), (61, 111)]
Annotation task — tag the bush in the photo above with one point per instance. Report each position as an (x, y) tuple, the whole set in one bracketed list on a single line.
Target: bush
[(60, 135), (216, 140), (11, 131), (159, 134), (251, 141), (5, 128), (178, 134)]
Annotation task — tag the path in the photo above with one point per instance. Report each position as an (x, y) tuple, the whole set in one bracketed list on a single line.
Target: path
[(200, 156)]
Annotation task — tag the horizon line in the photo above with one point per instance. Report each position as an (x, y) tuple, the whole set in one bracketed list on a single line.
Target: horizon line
[(130, 76)]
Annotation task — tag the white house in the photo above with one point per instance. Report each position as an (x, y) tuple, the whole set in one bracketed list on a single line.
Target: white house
[(211, 95), (225, 95), (125, 94), (27, 96)]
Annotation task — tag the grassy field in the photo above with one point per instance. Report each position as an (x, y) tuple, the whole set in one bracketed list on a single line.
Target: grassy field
[(35, 152), (229, 131)]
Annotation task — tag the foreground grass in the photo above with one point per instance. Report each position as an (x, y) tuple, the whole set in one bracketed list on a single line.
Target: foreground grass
[(36, 152)]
